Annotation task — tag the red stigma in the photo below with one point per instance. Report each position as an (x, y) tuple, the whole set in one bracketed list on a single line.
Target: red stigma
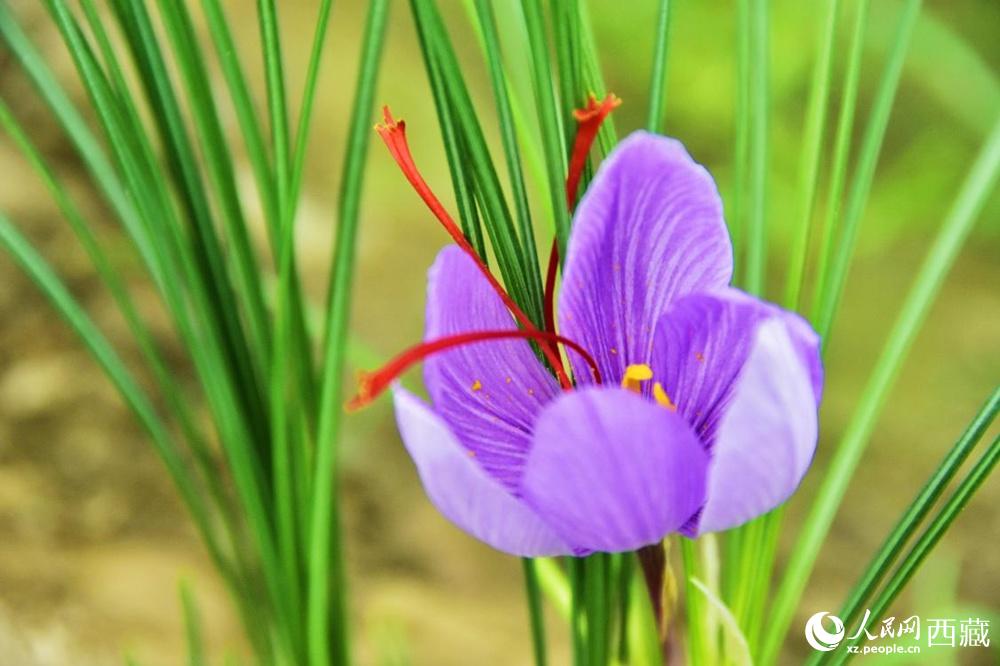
[(372, 384), (393, 133), (589, 120)]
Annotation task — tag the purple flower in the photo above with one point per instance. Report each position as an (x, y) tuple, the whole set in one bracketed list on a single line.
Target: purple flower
[(707, 416)]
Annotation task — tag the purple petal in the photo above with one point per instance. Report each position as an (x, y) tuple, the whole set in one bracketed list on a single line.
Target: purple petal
[(648, 231), (611, 471), (702, 345), (463, 492), (489, 393), (767, 437), (806, 342)]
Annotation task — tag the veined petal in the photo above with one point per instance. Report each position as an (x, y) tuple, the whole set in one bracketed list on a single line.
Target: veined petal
[(767, 437), (489, 393), (649, 230), (610, 471), (702, 345), (463, 492)]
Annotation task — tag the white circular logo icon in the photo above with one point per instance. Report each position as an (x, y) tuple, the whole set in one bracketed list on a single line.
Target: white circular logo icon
[(817, 635)]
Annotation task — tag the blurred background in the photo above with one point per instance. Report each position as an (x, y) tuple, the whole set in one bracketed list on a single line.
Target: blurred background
[(93, 540)]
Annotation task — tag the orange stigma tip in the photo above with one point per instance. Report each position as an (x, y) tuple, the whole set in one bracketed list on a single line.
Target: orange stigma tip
[(595, 108)]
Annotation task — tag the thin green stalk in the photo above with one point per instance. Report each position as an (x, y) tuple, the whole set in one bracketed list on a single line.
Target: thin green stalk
[(326, 617), (491, 40), (970, 201), (625, 571), (763, 571), (528, 142), (597, 600), (841, 154), (741, 136), (748, 570), (239, 93), (756, 247), (284, 404), (732, 547), (535, 612), (566, 43), (578, 610), (192, 626), (864, 174), (293, 406), (462, 181), (812, 147), (308, 100), (267, 17), (658, 79), (299, 347), (554, 584), (694, 608), (553, 142)]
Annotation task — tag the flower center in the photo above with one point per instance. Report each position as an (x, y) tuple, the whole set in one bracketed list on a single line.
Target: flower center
[(636, 374)]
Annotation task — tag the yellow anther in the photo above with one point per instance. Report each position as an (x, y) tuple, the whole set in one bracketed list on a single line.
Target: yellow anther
[(477, 385), (662, 398), (635, 375)]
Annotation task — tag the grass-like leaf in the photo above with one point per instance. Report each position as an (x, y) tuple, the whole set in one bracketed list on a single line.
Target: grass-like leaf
[(327, 613), (970, 201)]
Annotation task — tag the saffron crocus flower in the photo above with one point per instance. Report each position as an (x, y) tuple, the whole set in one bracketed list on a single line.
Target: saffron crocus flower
[(707, 413)]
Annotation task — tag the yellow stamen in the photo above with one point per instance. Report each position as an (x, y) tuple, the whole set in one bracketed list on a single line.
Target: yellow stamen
[(477, 385), (635, 374), (662, 398)]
